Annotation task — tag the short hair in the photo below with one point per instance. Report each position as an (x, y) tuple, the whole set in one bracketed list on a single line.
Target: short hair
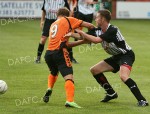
[(106, 14), (63, 12)]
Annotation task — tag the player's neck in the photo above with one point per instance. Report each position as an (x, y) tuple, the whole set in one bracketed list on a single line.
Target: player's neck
[(59, 17)]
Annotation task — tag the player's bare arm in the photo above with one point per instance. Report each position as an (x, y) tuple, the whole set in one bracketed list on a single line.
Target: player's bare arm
[(89, 37), (74, 35), (87, 25)]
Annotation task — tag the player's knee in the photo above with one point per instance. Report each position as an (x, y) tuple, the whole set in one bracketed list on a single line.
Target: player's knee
[(68, 77), (123, 77), (43, 40), (69, 80), (93, 70)]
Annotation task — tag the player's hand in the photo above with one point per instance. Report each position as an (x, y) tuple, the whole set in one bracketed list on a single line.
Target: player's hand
[(86, 41), (69, 34), (81, 33), (41, 24)]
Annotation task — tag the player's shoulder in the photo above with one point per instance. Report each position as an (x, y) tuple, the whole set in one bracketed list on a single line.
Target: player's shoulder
[(71, 18), (112, 29)]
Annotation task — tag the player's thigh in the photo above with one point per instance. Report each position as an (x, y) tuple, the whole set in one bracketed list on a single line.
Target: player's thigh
[(100, 67), (89, 18), (64, 63), (66, 71), (46, 27), (126, 63), (127, 59), (80, 16), (50, 61)]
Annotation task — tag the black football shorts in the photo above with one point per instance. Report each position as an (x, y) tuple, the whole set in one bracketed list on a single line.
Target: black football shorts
[(46, 27), (59, 61), (117, 60)]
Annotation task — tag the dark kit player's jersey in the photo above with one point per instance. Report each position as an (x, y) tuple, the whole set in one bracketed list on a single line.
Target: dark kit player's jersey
[(51, 7), (113, 41)]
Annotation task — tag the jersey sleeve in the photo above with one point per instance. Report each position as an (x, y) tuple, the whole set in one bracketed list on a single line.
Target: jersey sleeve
[(43, 6), (75, 23), (109, 35)]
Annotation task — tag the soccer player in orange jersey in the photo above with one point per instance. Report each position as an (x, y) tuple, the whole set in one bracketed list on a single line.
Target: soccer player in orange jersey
[(57, 57), (49, 10)]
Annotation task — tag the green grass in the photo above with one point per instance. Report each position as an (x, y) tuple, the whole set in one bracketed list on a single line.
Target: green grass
[(27, 81)]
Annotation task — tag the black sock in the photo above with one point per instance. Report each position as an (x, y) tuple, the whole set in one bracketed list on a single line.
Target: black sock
[(101, 79), (40, 50), (70, 53), (134, 89)]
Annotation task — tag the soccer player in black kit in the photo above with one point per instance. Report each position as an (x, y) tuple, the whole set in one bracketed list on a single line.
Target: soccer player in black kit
[(121, 60)]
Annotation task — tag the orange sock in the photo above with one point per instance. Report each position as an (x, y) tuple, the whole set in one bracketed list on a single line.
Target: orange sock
[(69, 87), (51, 80)]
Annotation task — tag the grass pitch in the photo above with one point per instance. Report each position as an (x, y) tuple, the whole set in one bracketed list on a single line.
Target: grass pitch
[(27, 81)]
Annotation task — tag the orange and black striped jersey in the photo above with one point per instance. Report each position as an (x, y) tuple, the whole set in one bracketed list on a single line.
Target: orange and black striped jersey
[(57, 31)]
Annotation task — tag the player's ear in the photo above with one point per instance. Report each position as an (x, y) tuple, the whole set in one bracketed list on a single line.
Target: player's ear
[(103, 19)]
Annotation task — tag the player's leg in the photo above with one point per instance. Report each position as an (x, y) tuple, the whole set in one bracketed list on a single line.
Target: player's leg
[(69, 87), (40, 48), (89, 18), (49, 58), (125, 69), (97, 71), (73, 60), (45, 34), (66, 71)]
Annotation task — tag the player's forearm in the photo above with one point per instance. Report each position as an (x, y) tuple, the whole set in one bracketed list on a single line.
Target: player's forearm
[(75, 43), (75, 4), (92, 38), (87, 25), (76, 36)]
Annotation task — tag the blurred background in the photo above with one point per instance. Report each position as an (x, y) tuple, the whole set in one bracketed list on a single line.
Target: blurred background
[(121, 9)]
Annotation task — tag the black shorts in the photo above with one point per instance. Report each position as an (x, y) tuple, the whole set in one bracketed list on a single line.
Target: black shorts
[(86, 18), (59, 61), (46, 26), (117, 60)]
